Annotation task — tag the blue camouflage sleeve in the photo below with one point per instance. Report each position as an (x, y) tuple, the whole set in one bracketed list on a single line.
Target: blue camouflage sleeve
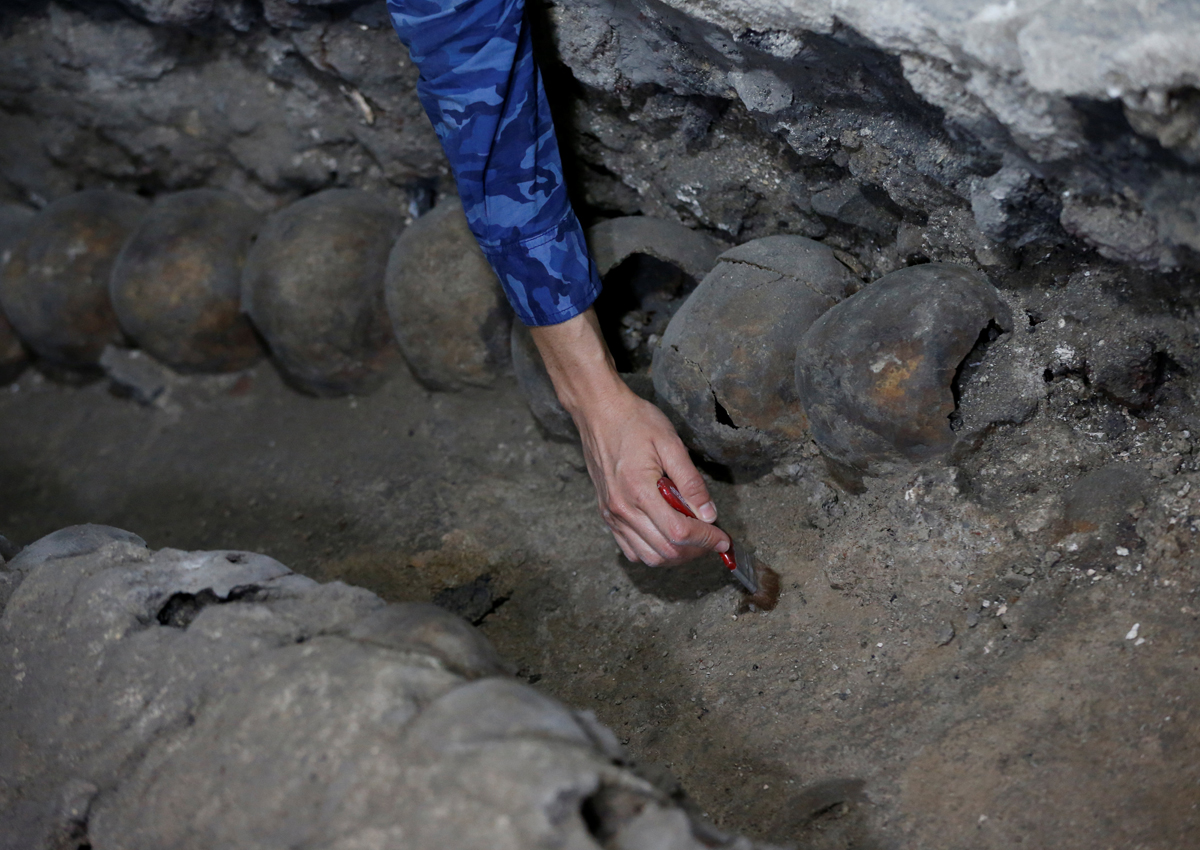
[(484, 95)]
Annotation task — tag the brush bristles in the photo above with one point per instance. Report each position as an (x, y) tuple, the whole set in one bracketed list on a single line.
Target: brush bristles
[(769, 586)]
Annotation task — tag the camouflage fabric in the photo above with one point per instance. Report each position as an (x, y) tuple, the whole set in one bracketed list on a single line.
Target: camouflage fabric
[(483, 92)]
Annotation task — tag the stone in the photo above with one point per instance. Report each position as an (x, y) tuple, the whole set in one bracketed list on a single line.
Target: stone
[(847, 203), (313, 286), (176, 285), (970, 86), (762, 91), (450, 315), (1016, 581), (284, 14), (1013, 207), (945, 634), (875, 373), (724, 371), (135, 375), (278, 126), (1100, 509), (239, 15), (180, 13), (1172, 118), (737, 135), (54, 288), (1117, 230)]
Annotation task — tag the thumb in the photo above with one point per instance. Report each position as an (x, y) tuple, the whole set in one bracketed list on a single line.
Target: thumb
[(707, 536), (680, 469)]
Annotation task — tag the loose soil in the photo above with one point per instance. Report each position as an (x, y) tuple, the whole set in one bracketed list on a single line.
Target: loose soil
[(950, 664)]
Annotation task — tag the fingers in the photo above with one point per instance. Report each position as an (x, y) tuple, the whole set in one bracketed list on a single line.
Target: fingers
[(680, 469), (682, 538), (659, 535), (628, 445), (632, 545), (628, 551)]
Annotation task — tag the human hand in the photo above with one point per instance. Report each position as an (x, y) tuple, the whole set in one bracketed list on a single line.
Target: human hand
[(628, 444)]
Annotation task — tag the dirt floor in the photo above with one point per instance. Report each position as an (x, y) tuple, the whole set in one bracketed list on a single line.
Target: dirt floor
[(998, 654)]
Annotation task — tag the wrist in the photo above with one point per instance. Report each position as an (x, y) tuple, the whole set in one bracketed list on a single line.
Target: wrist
[(579, 365)]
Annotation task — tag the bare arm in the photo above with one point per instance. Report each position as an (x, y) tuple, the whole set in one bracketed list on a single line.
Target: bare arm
[(628, 444)]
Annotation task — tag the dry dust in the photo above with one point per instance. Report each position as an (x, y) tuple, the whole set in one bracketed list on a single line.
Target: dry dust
[(943, 670)]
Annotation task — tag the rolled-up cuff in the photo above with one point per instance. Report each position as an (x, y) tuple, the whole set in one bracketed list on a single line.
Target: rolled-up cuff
[(548, 277)]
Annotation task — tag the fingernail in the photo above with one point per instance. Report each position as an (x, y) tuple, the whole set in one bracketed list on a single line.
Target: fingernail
[(723, 546), (707, 512)]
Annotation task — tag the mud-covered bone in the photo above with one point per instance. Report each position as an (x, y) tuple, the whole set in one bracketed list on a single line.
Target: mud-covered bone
[(299, 714), (54, 288), (448, 310), (617, 239), (725, 369), (421, 627), (176, 285), (875, 373), (313, 286)]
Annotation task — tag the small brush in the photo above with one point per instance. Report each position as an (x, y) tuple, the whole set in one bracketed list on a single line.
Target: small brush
[(760, 581)]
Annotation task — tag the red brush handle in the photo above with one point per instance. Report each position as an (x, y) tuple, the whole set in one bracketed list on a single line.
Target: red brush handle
[(671, 493)]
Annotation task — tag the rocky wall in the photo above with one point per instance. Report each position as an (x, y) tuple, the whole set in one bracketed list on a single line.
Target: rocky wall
[(897, 132), (242, 100), (909, 129)]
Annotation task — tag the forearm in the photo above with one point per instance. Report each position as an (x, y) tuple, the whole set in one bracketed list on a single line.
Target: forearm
[(579, 364), (483, 92), (628, 444)]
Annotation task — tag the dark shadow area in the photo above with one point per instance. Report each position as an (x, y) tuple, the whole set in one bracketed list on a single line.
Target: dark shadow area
[(971, 364), (474, 601), (787, 810), (684, 583), (640, 296), (182, 608)]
